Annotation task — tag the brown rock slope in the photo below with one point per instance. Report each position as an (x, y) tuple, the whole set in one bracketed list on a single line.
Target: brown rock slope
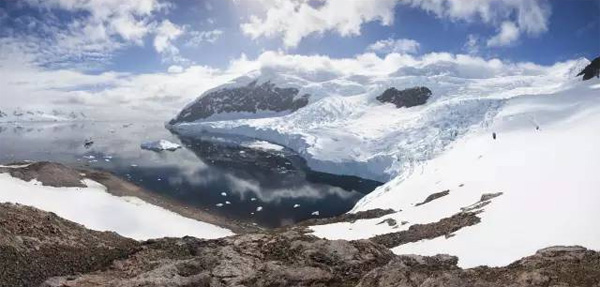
[(37, 246)]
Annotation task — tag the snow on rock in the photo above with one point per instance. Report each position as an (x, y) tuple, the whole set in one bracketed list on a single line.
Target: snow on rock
[(547, 177), (97, 209), (160, 145), (252, 100)]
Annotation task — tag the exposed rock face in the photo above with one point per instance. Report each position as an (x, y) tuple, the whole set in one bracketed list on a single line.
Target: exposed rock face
[(554, 266), (251, 98), (35, 245), (433, 197), (287, 258), (591, 70), (405, 98), (349, 217), (444, 227)]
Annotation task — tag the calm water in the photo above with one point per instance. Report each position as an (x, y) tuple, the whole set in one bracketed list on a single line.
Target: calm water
[(197, 174)]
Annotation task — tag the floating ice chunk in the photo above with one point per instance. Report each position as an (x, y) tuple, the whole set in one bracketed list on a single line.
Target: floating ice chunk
[(259, 208), (253, 199), (264, 145), (160, 145), (315, 213), (296, 205), (219, 204), (223, 193), (227, 202)]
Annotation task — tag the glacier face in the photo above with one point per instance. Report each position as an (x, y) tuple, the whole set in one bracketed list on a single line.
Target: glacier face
[(543, 161), (344, 129)]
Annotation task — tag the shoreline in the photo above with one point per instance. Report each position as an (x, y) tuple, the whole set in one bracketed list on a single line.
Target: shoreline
[(59, 175)]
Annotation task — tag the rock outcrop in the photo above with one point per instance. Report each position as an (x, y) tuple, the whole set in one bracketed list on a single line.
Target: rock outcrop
[(36, 245), (591, 70), (405, 98), (39, 247), (252, 98), (554, 266)]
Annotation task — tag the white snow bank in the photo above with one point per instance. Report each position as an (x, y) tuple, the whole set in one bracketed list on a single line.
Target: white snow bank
[(160, 145), (98, 210), (548, 177)]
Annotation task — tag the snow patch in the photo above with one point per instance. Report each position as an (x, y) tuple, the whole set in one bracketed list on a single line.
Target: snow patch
[(99, 210)]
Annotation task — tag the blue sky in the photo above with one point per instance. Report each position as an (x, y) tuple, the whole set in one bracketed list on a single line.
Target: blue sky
[(572, 30), (89, 51)]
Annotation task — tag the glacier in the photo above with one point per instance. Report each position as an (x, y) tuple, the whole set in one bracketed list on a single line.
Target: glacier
[(345, 130)]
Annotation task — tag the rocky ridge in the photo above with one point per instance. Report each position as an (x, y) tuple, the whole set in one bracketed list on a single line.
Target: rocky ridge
[(591, 70), (252, 98), (38, 247)]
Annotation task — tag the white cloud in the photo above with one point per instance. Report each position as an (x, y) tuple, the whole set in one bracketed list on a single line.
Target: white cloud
[(175, 69), (511, 17), (508, 34), (390, 45), (81, 33), (199, 37), (166, 33), (161, 95), (295, 19), (472, 44)]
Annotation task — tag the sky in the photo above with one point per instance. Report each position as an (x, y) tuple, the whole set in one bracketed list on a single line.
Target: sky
[(148, 58)]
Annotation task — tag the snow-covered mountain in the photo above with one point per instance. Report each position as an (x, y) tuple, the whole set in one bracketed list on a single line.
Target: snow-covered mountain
[(513, 147), (21, 115), (344, 129)]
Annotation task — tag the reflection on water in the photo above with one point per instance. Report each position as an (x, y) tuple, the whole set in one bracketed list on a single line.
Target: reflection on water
[(220, 174)]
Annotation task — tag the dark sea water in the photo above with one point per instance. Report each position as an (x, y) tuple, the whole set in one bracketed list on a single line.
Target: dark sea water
[(197, 174)]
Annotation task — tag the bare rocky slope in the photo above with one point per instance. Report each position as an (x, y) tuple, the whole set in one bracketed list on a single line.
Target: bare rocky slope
[(38, 247)]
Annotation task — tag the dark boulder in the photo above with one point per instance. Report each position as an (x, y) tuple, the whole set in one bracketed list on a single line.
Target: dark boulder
[(405, 98), (251, 98), (591, 70)]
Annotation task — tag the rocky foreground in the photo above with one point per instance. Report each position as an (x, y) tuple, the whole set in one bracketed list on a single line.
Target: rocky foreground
[(38, 248)]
